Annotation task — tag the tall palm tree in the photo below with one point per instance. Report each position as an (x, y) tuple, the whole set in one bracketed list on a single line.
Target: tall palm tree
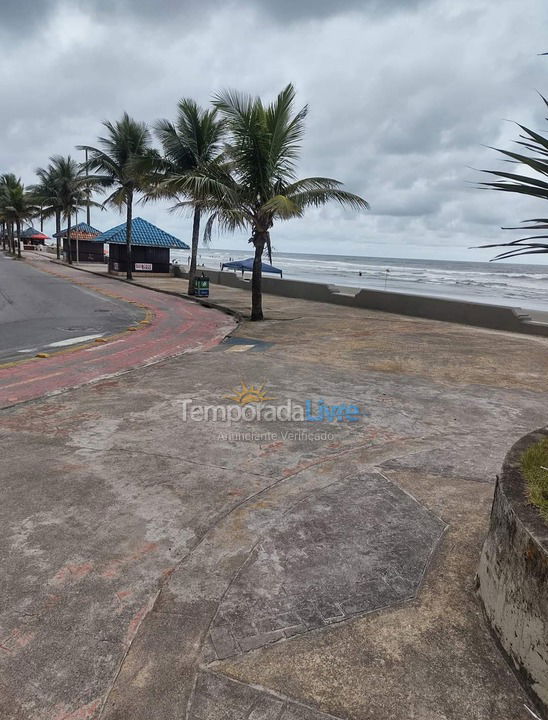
[(63, 187), (47, 194), (190, 144), (115, 163), (72, 186), (535, 160), (8, 184), (257, 184), (17, 205)]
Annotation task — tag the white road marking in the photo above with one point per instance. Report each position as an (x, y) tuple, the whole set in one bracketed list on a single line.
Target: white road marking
[(73, 341), (27, 350)]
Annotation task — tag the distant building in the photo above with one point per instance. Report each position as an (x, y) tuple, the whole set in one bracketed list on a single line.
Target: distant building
[(150, 247), (83, 246)]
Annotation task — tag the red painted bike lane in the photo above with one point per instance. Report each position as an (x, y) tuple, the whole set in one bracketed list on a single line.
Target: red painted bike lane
[(171, 326)]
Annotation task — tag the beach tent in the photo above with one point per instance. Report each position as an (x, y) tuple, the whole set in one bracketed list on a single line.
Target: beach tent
[(150, 247), (244, 265)]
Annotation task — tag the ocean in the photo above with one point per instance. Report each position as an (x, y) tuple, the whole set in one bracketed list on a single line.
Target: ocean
[(500, 283)]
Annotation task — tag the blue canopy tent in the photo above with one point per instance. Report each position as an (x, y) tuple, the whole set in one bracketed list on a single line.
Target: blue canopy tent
[(244, 265)]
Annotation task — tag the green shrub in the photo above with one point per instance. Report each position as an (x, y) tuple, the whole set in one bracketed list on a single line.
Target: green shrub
[(534, 464)]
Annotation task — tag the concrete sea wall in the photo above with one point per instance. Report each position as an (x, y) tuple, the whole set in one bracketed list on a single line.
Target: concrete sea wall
[(496, 317), (513, 576)]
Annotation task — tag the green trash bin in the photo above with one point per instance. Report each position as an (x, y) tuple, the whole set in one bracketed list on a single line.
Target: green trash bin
[(201, 286)]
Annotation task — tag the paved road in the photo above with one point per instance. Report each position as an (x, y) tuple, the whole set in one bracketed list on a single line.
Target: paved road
[(143, 556), (41, 312), (169, 326)]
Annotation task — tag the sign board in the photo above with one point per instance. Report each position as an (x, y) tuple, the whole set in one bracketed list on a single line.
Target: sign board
[(143, 266)]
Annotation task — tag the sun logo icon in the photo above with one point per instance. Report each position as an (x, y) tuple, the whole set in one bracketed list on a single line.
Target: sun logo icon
[(249, 394)]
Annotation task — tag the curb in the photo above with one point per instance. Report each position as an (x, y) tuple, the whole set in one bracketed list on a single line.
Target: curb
[(205, 303)]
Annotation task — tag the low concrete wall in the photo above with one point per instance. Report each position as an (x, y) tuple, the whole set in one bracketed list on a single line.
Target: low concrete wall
[(513, 576), (137, 273), (495, 317)]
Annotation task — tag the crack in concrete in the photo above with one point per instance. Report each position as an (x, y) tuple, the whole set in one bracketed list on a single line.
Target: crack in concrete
[(164, 581), (285, 699)]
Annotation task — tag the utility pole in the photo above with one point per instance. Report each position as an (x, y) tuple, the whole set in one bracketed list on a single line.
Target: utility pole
[(88, 214), (76, 235)]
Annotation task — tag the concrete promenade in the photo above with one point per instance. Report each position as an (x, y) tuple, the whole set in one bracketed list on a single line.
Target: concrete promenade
[(157, 568)]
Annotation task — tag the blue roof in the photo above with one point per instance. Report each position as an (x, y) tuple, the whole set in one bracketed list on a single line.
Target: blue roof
[(81, 227), (142, 233), (248, 265)]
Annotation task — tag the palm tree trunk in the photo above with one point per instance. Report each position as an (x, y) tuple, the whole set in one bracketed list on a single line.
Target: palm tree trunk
[(129, 252), (57, 232), (4, 236), (11, 241), (69, 249), (257, 277), (194, 251), (18, 225)]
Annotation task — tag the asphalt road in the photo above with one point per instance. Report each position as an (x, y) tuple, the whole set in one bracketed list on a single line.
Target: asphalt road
[(40, 312)]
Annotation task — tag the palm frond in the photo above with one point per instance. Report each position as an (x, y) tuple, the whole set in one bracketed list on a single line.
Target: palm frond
[(282, 207), (286, 132), (536, 160), (115, 159), (319, 197)]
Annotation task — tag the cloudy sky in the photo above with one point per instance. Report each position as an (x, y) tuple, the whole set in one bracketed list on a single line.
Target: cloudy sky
[(404, 96)]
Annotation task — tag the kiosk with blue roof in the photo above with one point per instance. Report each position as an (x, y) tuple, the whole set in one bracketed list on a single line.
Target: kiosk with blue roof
[(83, 247), (150, 247)]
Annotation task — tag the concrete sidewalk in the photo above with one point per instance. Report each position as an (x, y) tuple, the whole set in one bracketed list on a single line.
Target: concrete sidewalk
[(160, 567)]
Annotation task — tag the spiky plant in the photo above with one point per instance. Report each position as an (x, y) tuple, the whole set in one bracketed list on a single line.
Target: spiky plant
[(535, 159)]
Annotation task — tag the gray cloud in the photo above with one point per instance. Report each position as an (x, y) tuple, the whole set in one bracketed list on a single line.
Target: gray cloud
[(403, 96), (307, 9), (30, 16)]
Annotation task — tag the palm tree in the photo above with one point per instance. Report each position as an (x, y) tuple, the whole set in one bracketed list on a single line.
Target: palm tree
[(257, 184), (72, 186), (62, 188), (3, 230), (8, 183), (537, 161), (17, 205), (115, 162), (47, 194), (190, 144)]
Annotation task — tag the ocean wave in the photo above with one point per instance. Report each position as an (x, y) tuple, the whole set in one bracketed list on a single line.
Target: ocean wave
[(524, 285)]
